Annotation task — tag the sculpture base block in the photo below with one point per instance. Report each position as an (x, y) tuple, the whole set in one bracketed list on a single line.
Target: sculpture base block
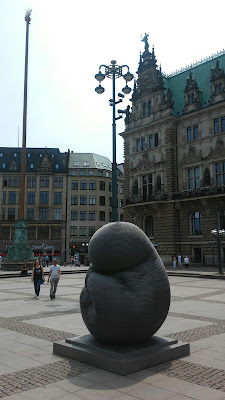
[(121, 360), (13, 265)]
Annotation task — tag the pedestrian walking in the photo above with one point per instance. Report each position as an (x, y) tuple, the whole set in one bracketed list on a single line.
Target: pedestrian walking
[(54, 275), (179, 261), (47, 260), (71, 261), (174, 262), (186, 262), (37, 277)]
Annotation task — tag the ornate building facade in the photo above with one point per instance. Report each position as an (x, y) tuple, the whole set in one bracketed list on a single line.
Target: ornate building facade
[(67, 198), (174, 145)]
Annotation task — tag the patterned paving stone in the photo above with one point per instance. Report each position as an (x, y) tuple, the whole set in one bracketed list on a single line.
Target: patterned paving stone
[(200, 375), (18, 382)]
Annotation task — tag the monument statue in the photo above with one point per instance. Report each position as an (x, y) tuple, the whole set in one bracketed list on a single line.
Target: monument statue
[(126, 297)]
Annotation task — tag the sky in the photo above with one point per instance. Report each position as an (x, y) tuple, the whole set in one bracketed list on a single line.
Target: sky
[(68, 41)]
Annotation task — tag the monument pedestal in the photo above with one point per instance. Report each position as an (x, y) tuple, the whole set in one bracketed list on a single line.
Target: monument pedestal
[(121, 360)]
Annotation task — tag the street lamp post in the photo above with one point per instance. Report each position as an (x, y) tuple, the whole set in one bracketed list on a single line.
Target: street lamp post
[(218, 233), (114, 71)]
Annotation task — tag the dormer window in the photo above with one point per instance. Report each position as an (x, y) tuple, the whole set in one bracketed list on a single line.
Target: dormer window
[(15, 155), (1, 154), (40, 155), (53, 155), (56, 166), (3, 165), (28, 155), (31, 166)]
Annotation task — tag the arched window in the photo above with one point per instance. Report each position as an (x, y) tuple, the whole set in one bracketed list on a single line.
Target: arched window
[(196, 223), (222, 219), (3, 165), (207, 177), (135, 188), (148, 225)]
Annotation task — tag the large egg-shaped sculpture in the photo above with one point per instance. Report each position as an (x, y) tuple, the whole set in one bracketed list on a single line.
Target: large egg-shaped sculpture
[(126, 297)]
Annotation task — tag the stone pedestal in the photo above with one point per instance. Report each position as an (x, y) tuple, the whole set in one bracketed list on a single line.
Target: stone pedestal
[(20, 253), (121, 360)]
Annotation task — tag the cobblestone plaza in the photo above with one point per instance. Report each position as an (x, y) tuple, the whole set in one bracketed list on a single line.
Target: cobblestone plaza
[(28, 328)]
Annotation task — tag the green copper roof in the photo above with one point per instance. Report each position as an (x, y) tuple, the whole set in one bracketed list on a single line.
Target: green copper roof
[(201, 73)]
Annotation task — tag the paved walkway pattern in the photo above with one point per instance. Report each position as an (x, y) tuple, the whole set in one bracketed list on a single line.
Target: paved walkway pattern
[(29, 370)]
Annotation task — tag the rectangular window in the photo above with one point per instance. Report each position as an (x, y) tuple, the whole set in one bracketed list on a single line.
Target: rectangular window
[(83, 185), (57, 213), (195, 132), (91, 215), (216, 126), (57, 197), (92, 185), (147, 186), (12, 197), (102, 185), (156, 139), (82, 230), (220, 173), (143, 143), (11, 213), (91, 172), (31, 181), (15, 181), (110, 201), (189, 134), (223, 124), (5, 181), (58, 181), (121, 189), (4, 198), (138, 145), (82, 172), (30, 197), (30, 213), (92, 200), (83, 200), (43, 214), (74, 185), (73, 230), (193, 178), (44, 181), (91, 230), (102, 215), (100, 172), (83, 215), (74, 215), (44, 197), (73, 200), (102, 200), (151, 142), (110, 186), (10, 181)]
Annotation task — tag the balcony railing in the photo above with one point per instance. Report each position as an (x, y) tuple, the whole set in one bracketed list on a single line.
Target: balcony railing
[(146, 199), (202, 191)]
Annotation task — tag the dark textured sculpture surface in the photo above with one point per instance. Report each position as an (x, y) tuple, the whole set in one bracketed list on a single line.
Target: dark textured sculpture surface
[(126, 296)]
